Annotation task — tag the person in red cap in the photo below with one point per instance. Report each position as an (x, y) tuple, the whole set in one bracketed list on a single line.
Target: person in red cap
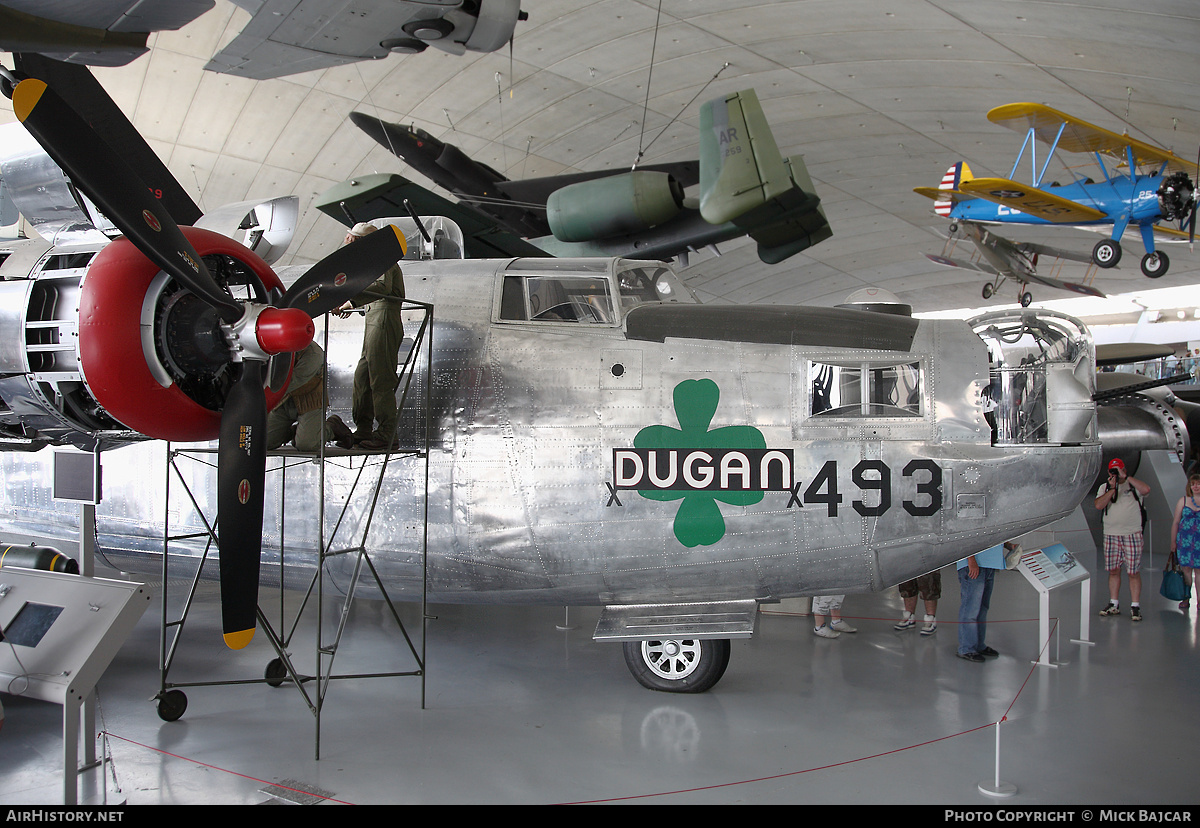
[(1120, 498)]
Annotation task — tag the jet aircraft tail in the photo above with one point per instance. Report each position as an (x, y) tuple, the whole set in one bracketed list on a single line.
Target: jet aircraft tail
[(745, 180)]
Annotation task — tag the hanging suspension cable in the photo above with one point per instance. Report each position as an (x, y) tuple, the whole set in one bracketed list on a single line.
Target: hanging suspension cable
[(684, 109), (649, 77)]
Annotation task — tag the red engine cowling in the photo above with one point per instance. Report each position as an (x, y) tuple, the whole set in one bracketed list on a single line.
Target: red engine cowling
[(114, 338)]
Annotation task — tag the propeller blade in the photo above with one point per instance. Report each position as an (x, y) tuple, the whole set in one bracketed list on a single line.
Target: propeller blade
[(346, 272), (241, 468), (112, 184), (278, 371)]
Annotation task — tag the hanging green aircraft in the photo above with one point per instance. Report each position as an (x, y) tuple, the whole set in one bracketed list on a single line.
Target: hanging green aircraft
[(746, 189)]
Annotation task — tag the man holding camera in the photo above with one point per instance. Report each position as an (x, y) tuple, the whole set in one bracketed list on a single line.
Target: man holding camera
[(1120, 498)]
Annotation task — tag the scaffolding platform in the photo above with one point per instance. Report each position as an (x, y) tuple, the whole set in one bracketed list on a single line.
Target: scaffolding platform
[(345, 536)]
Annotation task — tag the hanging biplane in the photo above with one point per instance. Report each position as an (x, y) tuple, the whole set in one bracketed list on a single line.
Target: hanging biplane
[(1004, 259), (597, 436), (1154, 186)]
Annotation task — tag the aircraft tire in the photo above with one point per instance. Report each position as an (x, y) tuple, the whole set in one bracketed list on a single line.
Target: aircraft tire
[(275, 672), (988, 290), (686, 665), (1155, 264), (1106, 253), (1026, 299), (171, 705)]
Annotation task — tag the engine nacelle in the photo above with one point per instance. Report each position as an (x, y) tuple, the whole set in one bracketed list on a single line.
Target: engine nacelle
[(90, 356), (151, 352), (613, 206), (1175, 196)]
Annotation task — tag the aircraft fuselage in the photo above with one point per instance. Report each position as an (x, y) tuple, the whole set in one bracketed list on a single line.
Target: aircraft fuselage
[(598, 438), (1124, 200)]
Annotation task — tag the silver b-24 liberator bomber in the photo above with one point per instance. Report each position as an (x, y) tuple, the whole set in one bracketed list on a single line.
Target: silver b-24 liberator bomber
[(600, 438), (597, 436)]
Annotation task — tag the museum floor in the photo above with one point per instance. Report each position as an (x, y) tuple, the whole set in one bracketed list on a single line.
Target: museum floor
[(520, 711)]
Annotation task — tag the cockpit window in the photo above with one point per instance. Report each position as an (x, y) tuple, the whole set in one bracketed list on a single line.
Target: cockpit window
[(557, 299), (581, 290), (891, 390), (649, 283)]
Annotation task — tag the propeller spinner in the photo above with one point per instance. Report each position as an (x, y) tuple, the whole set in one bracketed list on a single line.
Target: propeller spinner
[(246, 333)]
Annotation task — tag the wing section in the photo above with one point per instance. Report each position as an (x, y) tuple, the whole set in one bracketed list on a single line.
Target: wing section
[(285, 37), (1062, 284), (76, 85), (96, 33), (380, 195), (1080, 136), (979, 267), (1054, 252), (538, 190), (1030, 200)]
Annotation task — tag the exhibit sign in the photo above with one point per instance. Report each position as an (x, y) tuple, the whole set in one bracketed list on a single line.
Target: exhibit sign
[(1048, 569)]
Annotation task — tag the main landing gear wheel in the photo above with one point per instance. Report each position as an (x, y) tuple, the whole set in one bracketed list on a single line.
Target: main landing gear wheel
[(988, 290), (1155, 264), (171, 705), (1106, 253), (275, 672), (678, 665), (1026, 299)]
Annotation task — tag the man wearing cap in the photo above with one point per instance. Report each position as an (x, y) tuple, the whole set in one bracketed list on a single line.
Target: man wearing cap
[(1120, 498), (375, 376)]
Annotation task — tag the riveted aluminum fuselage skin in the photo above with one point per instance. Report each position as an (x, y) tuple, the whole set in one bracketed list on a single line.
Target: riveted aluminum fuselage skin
[(657, 452), (533, 488)]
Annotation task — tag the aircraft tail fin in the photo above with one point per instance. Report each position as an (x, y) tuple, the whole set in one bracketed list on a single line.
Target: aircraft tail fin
[(947, 193), (745, 180), (954, 177)]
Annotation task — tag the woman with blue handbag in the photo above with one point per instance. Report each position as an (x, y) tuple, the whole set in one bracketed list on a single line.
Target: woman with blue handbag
[(1185, 535)]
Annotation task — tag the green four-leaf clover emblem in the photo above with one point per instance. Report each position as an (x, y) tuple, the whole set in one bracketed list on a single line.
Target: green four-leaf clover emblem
[(699, 522)]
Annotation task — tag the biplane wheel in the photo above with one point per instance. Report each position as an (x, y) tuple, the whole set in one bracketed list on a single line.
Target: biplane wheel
[(1026, 299), (678, 665), (1155, 264), (171, 705), (988, 290), (276, 672), (1106, 253)]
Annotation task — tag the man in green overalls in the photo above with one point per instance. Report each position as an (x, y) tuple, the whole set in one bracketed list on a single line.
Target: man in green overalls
[(375, 376), (298, 417)]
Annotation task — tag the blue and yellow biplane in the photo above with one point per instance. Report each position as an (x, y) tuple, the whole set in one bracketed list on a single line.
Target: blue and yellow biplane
[(1142, 186)]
